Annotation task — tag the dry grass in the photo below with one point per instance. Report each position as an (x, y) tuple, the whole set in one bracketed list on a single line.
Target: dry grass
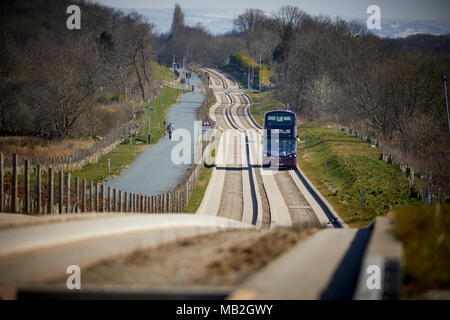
[(27, 146)]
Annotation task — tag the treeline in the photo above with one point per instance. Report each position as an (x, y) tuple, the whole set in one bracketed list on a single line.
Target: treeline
[(196, 43), (245, 64), (338, 71), (54, 82)]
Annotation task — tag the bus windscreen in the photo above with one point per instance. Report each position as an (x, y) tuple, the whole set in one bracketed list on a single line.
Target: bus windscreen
[(279, 120)]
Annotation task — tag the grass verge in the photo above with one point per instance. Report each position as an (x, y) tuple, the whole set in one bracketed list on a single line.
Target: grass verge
[(424, 232), (263, 102), (161, 72), (199, 191)]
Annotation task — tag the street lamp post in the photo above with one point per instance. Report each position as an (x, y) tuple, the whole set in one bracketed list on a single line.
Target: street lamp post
[(173, 66), (444, 78), (259, 73), (248, 78), (148, 132)]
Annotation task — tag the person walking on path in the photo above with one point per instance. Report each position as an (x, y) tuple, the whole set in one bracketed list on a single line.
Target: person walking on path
[(170, 129)]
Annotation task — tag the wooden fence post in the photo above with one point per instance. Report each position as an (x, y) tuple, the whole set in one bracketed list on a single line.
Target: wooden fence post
[(61, 190), (102, 201), (2, 181), (133, 202), (96, 197), (50, 191), (130, 202), (108, 206), (120, 200), (38, 189), (91, 196), (150, 204), (77, 195), (27, 186), (169, 201), (165, 206), (68, 193), (83, 196), (177, 200), (114, 208), (186, 189), (15, 184)]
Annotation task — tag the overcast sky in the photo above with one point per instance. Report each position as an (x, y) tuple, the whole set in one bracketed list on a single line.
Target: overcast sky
[(400, 9)]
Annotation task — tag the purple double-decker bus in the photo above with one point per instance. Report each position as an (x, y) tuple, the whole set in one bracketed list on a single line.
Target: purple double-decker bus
[(280, 139)]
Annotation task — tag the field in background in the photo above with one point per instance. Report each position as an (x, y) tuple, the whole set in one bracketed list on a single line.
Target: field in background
[(29, 147)]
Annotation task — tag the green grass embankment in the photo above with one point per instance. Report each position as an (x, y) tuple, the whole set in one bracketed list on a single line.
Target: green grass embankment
[(263, 102), (161, 72), (199, 191)]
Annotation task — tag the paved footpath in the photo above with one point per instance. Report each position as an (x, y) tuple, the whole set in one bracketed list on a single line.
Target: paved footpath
[(153, 171)]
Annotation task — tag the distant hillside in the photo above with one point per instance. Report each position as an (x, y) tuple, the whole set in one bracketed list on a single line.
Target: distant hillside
[(424, 42), (215, 20), (401, 28), (221, 21)]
